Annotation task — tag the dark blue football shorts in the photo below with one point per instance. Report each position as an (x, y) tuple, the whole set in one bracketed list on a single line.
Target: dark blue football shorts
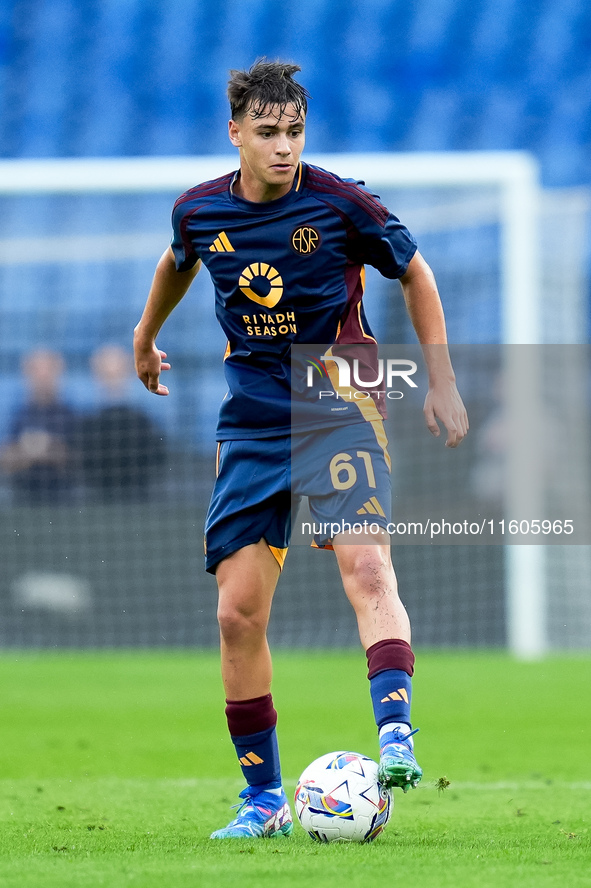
[(344, 472)]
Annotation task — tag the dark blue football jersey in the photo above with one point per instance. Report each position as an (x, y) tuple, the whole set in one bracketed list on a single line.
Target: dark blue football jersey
[(286, 271)]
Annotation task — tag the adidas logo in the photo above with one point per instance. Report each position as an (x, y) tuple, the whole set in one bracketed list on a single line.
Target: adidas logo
[(222, 244), (400, 694), (372, 506), (251, 758)]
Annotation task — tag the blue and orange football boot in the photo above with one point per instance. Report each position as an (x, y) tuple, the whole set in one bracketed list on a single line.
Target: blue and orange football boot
[(398, 765), (263, 815)]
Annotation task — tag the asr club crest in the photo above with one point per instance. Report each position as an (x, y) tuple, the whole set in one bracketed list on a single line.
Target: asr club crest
[(305, 240)]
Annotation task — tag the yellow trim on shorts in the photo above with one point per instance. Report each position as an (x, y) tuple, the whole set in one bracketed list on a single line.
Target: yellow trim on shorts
[(278, 554), (367, 407), (326, 548), (382, 439)]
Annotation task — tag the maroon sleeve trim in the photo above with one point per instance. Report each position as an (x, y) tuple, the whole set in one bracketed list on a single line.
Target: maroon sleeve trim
[(318, 181), (206, 189), (187, 245)]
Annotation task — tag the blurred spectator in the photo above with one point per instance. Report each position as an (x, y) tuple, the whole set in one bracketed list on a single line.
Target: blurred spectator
[(39, 455), (120, 447)]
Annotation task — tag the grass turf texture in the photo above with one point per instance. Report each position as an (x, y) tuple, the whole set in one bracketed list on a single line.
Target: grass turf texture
[(115, 767)]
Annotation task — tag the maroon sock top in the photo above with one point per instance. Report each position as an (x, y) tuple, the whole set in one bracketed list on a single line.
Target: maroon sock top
[(250, 716), (391, 653)]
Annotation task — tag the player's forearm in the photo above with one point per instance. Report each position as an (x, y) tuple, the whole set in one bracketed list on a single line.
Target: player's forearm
[(168, 288), (426, 313)]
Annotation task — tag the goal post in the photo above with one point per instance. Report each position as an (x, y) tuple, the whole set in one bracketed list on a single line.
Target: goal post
[(514, 175)]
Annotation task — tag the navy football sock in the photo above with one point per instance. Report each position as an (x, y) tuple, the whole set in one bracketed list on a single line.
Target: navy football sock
[(390, 668), (390, 695), (258, 755), (252, 729)]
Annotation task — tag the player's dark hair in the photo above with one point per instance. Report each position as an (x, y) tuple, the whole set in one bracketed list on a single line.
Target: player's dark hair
[(266, 85)]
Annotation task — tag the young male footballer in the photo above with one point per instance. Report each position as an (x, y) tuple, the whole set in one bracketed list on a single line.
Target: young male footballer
[(285, 244)]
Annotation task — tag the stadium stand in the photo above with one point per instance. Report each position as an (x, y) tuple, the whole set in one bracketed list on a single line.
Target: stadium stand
[(89, 78)]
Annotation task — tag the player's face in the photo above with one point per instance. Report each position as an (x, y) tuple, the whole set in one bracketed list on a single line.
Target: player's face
[(270, 149)]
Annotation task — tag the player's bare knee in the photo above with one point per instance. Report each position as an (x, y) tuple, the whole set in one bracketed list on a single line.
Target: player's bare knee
[(368, 576), (364, 563), (241, 624)]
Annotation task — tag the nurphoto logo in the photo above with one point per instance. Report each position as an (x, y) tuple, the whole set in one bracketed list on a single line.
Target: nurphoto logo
[(348, 382)]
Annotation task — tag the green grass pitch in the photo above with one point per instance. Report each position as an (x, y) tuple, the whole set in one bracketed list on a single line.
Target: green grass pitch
[(115, 767)]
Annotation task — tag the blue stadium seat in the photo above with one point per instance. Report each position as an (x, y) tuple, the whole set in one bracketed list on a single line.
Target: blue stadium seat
[(141, 77)]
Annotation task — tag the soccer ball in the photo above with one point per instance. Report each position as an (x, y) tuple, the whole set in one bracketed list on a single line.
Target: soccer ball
[(338, 799)]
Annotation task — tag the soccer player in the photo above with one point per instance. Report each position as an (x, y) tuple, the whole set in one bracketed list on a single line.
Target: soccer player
[(285, 244)]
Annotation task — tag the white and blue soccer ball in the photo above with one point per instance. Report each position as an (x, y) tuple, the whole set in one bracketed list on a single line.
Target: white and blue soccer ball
[(338, 799)]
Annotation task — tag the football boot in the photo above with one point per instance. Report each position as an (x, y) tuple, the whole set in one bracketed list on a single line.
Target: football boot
[(263, 815), (398, 765)]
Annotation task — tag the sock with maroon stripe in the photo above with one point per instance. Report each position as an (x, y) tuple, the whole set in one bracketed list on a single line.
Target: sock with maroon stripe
[(390, 668), (252, 725)]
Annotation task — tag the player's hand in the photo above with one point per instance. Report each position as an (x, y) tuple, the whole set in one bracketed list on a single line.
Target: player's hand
[(443, 402), (149, 363)]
